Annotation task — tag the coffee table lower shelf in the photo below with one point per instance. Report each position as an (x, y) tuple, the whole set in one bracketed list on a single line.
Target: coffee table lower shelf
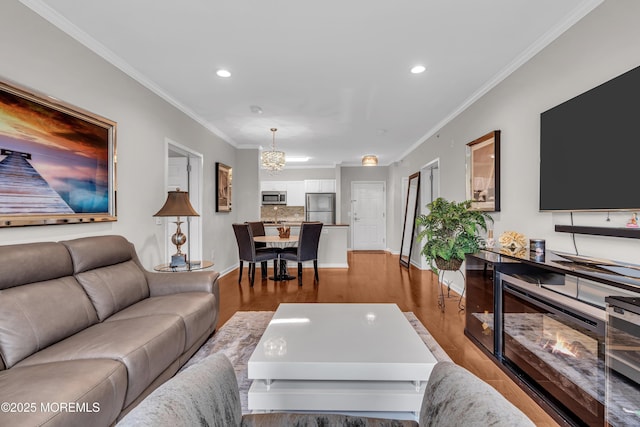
[(354, 396)]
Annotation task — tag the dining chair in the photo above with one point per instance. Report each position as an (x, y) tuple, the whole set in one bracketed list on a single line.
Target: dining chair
[(247, 251), (307, 249), (257, 229)]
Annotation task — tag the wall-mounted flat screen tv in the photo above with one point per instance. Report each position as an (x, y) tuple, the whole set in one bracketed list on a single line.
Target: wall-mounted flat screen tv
[(590, 149)]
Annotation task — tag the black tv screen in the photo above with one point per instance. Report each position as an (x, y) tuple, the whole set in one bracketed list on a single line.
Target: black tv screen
[(590, 149)]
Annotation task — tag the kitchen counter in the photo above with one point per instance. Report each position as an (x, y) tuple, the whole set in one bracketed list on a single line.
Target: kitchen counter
[(332, 249)]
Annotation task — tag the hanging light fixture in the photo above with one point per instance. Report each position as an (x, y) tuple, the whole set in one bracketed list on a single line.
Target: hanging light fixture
[(273, 160), (370, 160)]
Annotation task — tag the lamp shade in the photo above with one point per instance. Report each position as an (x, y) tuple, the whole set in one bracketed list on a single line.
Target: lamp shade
[(177, 204)]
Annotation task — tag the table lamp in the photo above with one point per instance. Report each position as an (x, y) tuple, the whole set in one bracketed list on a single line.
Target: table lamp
[(177, 205)]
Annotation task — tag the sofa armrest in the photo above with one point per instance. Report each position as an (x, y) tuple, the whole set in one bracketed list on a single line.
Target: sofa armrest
[(205, 393), (174, 283), (453, 393)]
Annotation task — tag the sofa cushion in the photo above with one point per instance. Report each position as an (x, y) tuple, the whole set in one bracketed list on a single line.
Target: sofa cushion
[(196, 309), (88, 383), (145, 345), (33, 262), (37, 315), (88, 253), (114, 287), (106, 269)]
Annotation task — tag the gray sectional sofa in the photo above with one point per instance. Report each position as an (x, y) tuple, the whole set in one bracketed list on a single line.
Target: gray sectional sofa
[(86, 332), (206, 394)]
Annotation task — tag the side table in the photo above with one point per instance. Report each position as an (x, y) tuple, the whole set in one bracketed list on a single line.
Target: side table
[(189, 266)]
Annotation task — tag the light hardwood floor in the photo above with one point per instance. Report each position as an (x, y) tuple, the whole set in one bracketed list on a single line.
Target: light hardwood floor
[(378, 278)]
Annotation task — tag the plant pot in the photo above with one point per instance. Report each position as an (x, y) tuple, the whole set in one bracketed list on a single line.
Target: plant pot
[(452, 265)]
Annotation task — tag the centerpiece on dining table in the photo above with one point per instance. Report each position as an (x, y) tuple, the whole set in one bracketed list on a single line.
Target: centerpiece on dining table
[(284, 231)]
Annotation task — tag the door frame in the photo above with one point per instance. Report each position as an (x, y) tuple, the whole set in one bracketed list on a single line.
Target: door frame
[(428, 191), (384, 212), (196, 180)]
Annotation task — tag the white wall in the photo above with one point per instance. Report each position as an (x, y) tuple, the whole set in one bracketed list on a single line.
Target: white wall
[(38, 56), (598, 48)]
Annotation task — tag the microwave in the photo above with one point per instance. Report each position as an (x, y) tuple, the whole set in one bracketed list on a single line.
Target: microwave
[(274, 197)]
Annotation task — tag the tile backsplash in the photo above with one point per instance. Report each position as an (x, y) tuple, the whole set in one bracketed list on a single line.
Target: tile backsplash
[(282, 213)]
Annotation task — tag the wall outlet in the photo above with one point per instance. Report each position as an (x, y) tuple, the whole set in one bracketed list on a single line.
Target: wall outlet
[(158, 220)]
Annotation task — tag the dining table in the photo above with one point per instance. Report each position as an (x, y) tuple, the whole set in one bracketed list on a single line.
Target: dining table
[(279, 242)]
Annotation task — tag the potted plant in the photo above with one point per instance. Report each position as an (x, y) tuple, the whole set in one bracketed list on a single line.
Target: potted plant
[(451, 230)]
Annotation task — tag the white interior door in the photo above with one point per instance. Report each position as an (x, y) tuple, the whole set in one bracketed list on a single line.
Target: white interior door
[(184, 171), (368, 216)]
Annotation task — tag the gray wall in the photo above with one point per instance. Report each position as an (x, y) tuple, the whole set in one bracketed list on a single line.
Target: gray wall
[(247, 197), (601, 46), (38, 56)]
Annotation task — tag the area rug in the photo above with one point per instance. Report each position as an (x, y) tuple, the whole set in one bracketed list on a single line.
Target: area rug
[(238, 337)]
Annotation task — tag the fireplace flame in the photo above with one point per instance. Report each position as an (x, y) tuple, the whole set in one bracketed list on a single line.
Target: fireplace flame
[(562, 347)]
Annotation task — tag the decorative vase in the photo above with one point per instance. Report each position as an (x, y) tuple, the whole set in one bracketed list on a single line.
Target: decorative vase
[(450, 265)]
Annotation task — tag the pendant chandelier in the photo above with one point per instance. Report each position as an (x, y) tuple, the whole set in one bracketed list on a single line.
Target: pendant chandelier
[(273, 160)]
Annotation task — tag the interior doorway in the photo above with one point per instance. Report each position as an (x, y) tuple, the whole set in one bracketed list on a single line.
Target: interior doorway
[(429, 191), (184, 172), (368, 215)]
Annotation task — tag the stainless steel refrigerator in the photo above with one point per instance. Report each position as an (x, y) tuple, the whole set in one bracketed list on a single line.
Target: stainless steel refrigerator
[(321, 207)]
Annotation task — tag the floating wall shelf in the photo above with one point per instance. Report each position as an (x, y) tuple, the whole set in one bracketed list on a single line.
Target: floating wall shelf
[(632, 233)]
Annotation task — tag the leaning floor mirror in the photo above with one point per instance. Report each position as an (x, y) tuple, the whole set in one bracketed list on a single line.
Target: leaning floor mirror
[(409, 229)]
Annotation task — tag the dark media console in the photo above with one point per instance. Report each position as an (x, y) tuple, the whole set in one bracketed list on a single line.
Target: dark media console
[(543, 321)]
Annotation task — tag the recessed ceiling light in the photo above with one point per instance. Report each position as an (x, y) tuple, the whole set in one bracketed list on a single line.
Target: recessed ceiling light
[(297, 159), (417, 69), (223, 73)]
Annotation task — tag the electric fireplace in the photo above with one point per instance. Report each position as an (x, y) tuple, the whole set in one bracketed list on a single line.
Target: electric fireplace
[(555, 344)]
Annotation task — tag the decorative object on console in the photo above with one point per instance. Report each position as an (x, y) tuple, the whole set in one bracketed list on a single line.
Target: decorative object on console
[(483, 169), (57, 163), (177, 205), (451, 231), (370, 160), (273, 160), (491, 241), (518, 252), (223, 186), (633, 222), (513, 240)]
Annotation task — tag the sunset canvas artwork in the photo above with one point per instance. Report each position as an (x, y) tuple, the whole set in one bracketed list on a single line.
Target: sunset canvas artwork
[(51, 161)]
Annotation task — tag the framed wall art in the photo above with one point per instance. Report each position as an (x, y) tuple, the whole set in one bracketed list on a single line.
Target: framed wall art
[(57, 162), (483, 169), (223, 186)]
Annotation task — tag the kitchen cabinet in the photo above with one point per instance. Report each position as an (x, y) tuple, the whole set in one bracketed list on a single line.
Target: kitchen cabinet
[(295, 193), (320, 185)]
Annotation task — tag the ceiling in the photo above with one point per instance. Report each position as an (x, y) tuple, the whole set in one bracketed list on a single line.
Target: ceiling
[(332, 76)]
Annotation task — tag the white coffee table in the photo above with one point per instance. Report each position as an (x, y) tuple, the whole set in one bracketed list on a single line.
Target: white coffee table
[(339, 357)]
